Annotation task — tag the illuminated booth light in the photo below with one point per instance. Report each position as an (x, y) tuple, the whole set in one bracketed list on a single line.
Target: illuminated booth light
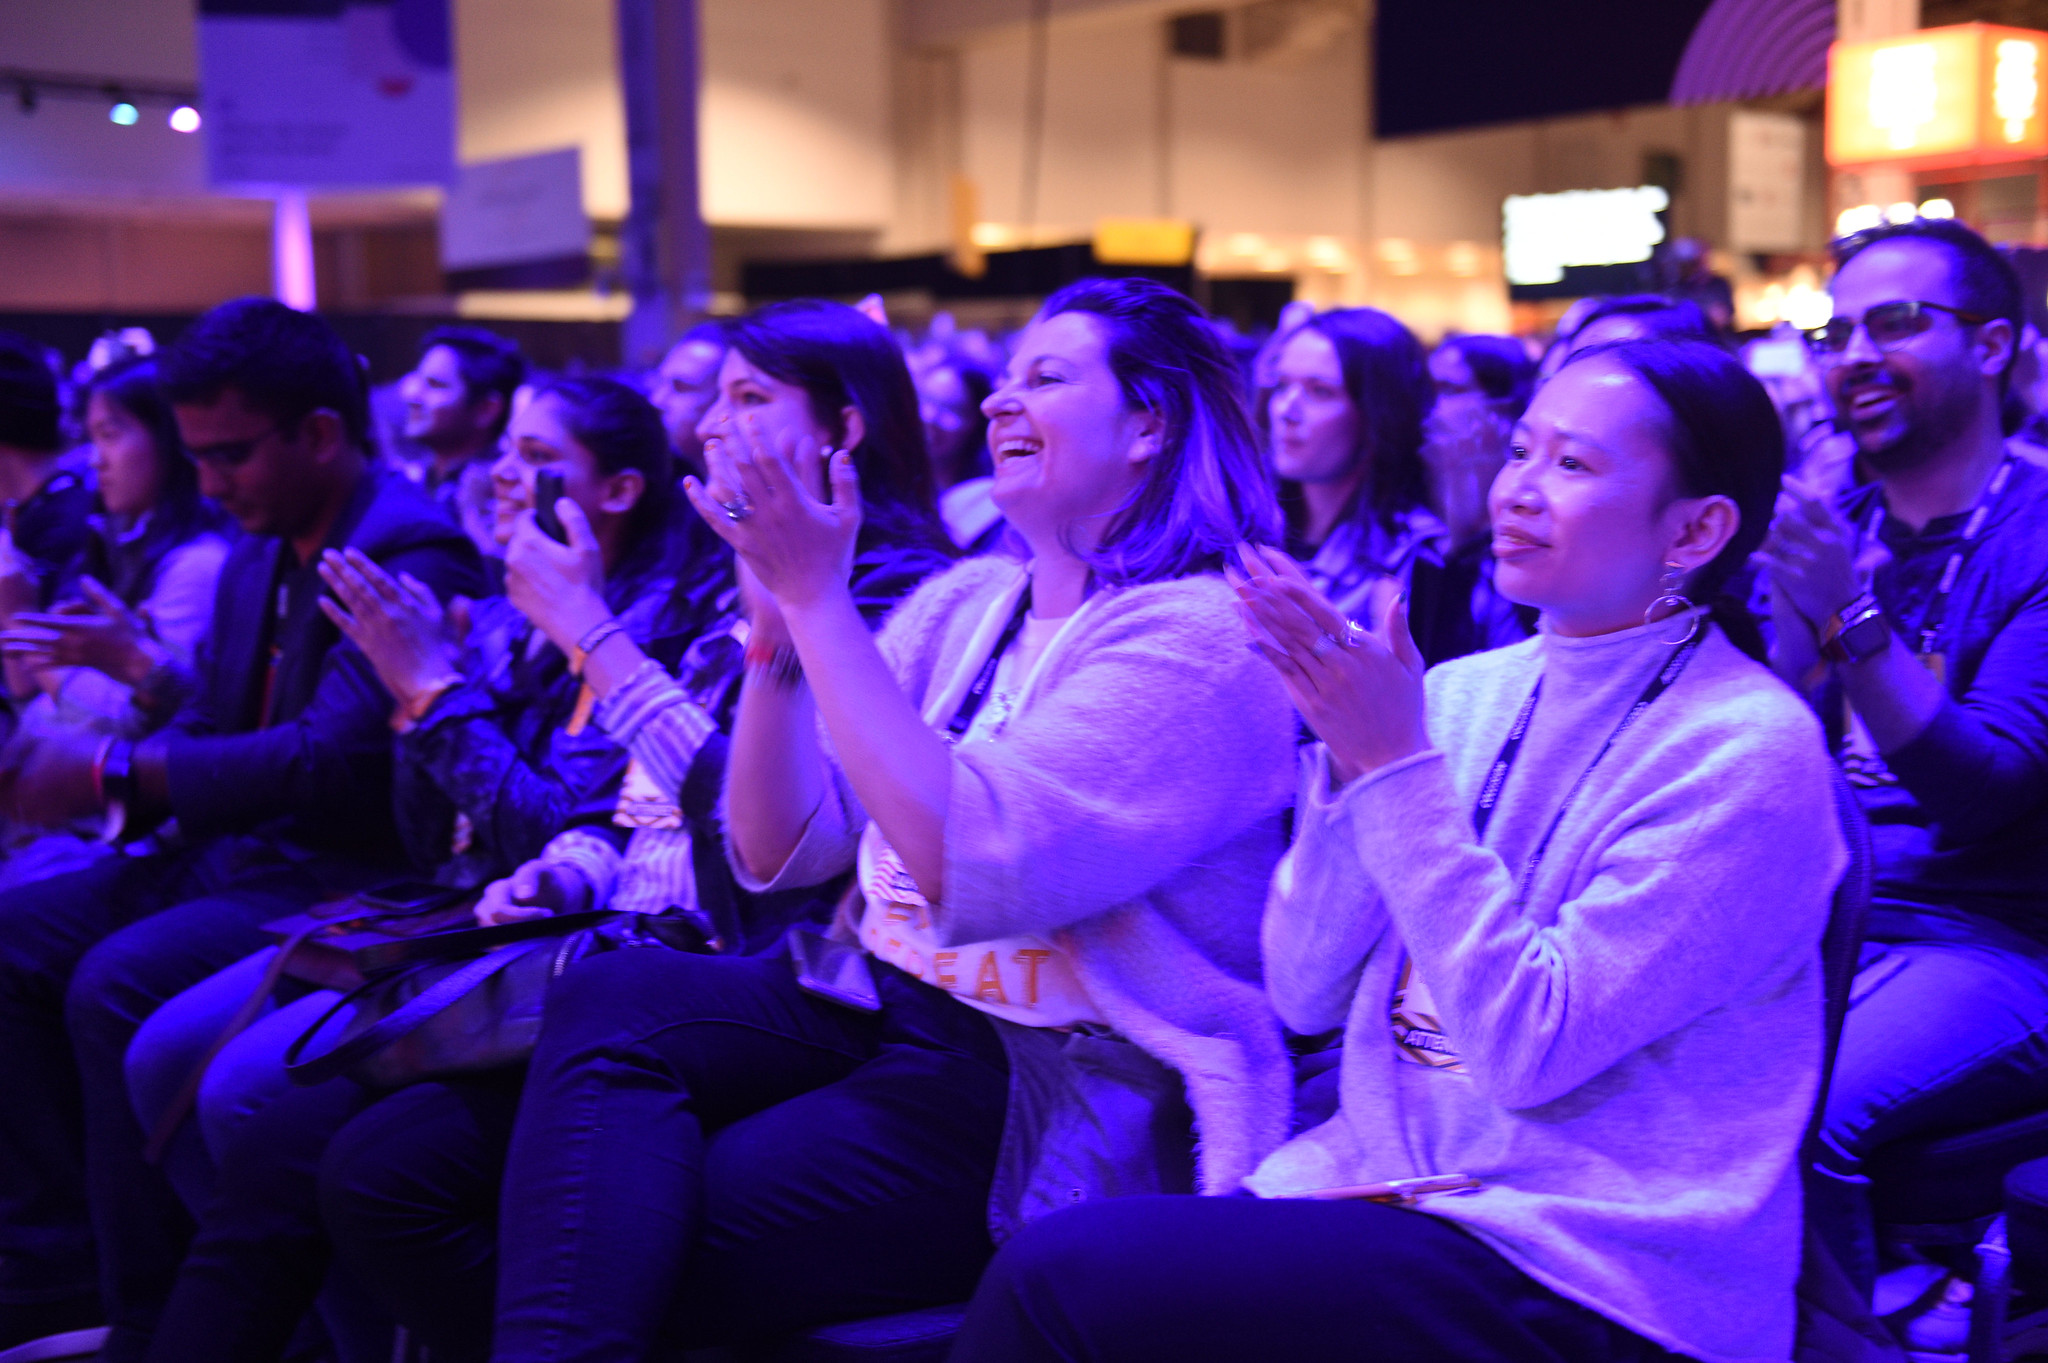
[(1544, 234), (1967, 94)]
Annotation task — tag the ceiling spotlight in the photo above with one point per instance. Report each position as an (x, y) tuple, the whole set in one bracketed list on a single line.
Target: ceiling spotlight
[(184, 119), (124, 114)]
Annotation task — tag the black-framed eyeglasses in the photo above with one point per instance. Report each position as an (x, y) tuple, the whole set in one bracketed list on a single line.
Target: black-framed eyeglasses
[(230, 454), (1890, 325)]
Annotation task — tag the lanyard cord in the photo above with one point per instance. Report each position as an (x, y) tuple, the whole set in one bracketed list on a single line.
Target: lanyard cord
[(1497, 776), (977, 692), (1937, 606)]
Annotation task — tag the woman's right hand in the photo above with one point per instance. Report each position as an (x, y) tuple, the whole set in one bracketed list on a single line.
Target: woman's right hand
[(1360, 690), (539, 889)]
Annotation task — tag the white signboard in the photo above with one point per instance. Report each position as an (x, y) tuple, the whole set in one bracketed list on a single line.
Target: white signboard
[(327, 92), (1544, 233), (515, 211), (1766, 181)]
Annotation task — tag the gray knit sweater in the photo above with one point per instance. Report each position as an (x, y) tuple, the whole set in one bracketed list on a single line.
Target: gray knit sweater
[(1130, 809), (1640, 1043)]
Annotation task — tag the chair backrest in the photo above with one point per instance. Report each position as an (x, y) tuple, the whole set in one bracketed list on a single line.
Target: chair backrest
[(1842, 942)]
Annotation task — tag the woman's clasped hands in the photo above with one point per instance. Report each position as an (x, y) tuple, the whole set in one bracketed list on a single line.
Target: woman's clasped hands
[(1360, 690), (765, 499)]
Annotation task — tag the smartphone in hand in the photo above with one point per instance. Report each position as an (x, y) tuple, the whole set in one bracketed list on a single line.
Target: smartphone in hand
[(547, 490)]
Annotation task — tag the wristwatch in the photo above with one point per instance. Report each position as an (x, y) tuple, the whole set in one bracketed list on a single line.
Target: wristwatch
[(1856, 632)]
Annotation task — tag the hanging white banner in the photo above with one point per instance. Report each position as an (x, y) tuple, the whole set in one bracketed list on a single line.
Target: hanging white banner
[(327, 92)]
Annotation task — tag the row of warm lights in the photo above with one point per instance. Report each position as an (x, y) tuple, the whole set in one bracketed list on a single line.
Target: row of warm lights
[(1865, 216), (1799, 300)]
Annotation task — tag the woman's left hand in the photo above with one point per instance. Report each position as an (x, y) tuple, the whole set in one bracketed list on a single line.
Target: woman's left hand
[(396, 622), (560, 587), (1360, 690), (799, 548)]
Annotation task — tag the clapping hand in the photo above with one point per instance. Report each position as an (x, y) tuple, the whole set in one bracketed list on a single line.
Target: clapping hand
[(797, 547), (1359, 689), (96, 630), (1810, 552), (396, 622)]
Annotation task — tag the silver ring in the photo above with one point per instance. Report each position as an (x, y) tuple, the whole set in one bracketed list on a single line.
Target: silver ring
[(1354, 635), (738, 509)]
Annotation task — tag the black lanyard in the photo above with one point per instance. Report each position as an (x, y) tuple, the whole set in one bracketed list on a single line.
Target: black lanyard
[(1937, 605), (977, 693), (1497, 776)]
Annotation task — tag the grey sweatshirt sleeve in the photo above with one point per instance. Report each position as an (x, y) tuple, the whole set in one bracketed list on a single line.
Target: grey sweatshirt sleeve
[(1679, 911), (1323, 914)]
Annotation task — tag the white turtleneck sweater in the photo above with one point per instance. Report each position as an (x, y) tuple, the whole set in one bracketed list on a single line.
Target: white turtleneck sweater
[(1628, 1060)]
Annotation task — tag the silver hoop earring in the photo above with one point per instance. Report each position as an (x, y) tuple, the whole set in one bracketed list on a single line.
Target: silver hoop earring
[(1674, 601)]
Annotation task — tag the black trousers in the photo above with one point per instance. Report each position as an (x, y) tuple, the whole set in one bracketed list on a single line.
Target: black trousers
[(1230, 1279), (84, 958), (703, 1153)]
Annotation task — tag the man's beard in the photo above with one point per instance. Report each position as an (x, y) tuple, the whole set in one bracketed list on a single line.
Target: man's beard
[(1929, 425)]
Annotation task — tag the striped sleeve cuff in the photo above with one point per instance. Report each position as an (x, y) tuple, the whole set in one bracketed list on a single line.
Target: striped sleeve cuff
[(651, 717), (591, 854)]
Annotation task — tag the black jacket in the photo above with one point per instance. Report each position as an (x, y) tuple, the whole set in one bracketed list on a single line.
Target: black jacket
[(306, 766)]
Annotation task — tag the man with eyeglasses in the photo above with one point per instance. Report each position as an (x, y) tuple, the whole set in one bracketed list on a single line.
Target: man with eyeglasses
[(269, 790), (1914, 612)]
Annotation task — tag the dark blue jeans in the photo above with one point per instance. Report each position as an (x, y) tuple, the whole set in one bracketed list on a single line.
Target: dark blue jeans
[(1193, 1279), (1947, 1029), (84, 958), (703, 1153)]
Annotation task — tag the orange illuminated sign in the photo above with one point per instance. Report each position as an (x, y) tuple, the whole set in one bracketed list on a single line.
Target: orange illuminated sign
[(1964, 95)]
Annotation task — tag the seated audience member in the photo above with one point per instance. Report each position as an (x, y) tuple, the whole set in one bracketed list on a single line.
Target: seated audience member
[(45, 504), (1062, 785), (139, 596), (1914, 611), (683, 389), (812, 371), (1344, 424), (1566, 900), (457, 400), (492, 762), (1483, 385), (800, 370), (275, 781)]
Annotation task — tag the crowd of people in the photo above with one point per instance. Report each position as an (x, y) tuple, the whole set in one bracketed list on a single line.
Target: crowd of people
[(1196, 849)]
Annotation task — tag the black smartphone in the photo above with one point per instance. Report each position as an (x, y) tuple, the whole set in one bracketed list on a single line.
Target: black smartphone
[(833, 970), (547, 490)]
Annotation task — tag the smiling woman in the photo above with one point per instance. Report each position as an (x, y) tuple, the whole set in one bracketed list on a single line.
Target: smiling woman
[(1059, 788), (1547, 893)]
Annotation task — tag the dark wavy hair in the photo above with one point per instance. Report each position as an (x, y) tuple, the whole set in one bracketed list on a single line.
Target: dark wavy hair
[(131, 384), (1386, 375), (490, 365), (841, 359), (285, 363), (1209, 488), (1726, 440), (622, 431)]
